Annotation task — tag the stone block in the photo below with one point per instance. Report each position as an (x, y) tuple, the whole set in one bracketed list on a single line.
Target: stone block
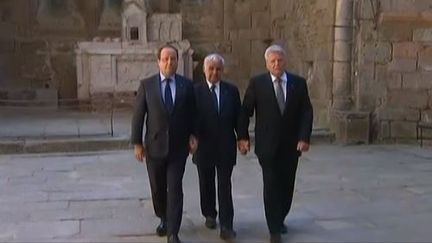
[(425, 59), (405, 98), (398, 114), (384, 130), (241, 47), (261, 20), (259, 5), (422, 35), (257, 54), (7, 45), (403, 65), (379, 52), (342, 51), (242, 20), (395, 32), (351, 127), (405, 5), (403, 129), (392, 80), (368, 9), (254, 34), (406, 50), (368, 31), (417, 80), (426, 115)]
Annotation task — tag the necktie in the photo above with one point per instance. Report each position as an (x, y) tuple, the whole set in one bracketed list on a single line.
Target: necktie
[(215, 100), (280, 95), (169, 104)]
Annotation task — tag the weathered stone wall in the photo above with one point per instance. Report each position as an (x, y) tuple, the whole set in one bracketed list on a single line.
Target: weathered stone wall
[(242, 29), (393, 66)]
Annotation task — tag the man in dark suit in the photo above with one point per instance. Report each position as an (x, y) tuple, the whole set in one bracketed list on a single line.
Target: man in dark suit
[(166, 103), (218, 106), (282, 131)]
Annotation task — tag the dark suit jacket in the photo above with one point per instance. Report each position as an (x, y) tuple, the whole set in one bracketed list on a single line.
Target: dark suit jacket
[(217, 132), (165, 135), (274, 130)]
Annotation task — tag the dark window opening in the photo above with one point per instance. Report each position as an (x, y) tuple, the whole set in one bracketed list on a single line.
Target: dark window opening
[(134, 34)]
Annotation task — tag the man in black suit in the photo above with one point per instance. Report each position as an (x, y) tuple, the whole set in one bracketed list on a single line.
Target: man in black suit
[(282, 131), (166, 103), (218, 106)]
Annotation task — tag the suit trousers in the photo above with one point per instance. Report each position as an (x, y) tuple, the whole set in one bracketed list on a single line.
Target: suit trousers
[(279, 178), (206, 174), (166, 176)]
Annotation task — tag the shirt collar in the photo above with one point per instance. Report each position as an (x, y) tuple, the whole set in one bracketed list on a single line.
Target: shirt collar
[(210, 84), (162, 77), (283, 77)]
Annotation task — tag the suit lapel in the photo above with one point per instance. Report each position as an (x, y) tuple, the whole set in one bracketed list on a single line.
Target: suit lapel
[(270, 86), (180, 92), (223, 96), (155, 91)]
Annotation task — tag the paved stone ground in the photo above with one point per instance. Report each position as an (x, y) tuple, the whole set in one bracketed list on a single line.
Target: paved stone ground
[(344, 194)]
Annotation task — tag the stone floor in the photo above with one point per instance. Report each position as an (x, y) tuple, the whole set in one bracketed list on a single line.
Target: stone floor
[(343, 194)]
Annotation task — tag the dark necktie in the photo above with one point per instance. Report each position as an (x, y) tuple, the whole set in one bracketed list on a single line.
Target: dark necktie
[(169, 104), (214, 96), (280, 95)]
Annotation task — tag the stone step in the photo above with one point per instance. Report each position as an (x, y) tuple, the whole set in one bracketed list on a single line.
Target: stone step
[(99, 143), (29, 97)]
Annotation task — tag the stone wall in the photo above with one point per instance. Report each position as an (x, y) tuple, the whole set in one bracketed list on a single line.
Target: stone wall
[(393, 66), (45, 34)]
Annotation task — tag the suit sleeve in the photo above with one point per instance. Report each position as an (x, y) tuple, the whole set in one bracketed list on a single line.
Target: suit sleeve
[(197, 115), (237, 110), (140, 110), (247, 110), (192, 109), (306, 116)]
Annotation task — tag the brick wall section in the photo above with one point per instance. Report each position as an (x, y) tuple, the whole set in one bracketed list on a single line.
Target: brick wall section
[(393, 42)]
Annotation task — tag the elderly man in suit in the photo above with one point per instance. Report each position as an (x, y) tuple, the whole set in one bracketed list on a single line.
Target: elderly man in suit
[(218, 106), (283, 126), (166, 103)]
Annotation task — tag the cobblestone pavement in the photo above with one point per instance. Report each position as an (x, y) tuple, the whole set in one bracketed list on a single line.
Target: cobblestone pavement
[(377, 193)]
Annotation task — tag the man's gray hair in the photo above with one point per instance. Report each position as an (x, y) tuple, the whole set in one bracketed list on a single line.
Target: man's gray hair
[(275, 48), (213, 57)]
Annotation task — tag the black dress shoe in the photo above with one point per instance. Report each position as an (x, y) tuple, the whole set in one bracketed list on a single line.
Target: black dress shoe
[(161, 229), (173, 239), (284, 229), (275, 238), (210, 223), (227, 234)]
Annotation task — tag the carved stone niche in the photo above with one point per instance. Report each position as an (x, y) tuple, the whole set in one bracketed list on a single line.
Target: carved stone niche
[(134, 21), (114, 67)]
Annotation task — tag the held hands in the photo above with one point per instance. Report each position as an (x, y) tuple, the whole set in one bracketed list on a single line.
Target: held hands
[(139, 151), (193, 144), (243, 146), (302, 146)]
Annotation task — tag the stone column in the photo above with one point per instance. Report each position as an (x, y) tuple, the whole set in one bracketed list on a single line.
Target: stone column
[(350, 126), (343, 28)]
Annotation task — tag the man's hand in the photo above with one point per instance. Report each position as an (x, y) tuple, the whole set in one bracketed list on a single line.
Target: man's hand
[(302, 146), (193, 144), (139, 151), (243, 146)]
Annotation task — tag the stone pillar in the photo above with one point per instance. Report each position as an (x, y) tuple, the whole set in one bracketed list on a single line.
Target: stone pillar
[(350, 126), (342, 94)]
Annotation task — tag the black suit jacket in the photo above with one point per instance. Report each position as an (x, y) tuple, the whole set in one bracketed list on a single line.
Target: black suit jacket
[(274, 130), (217, 131), (165, 134)]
